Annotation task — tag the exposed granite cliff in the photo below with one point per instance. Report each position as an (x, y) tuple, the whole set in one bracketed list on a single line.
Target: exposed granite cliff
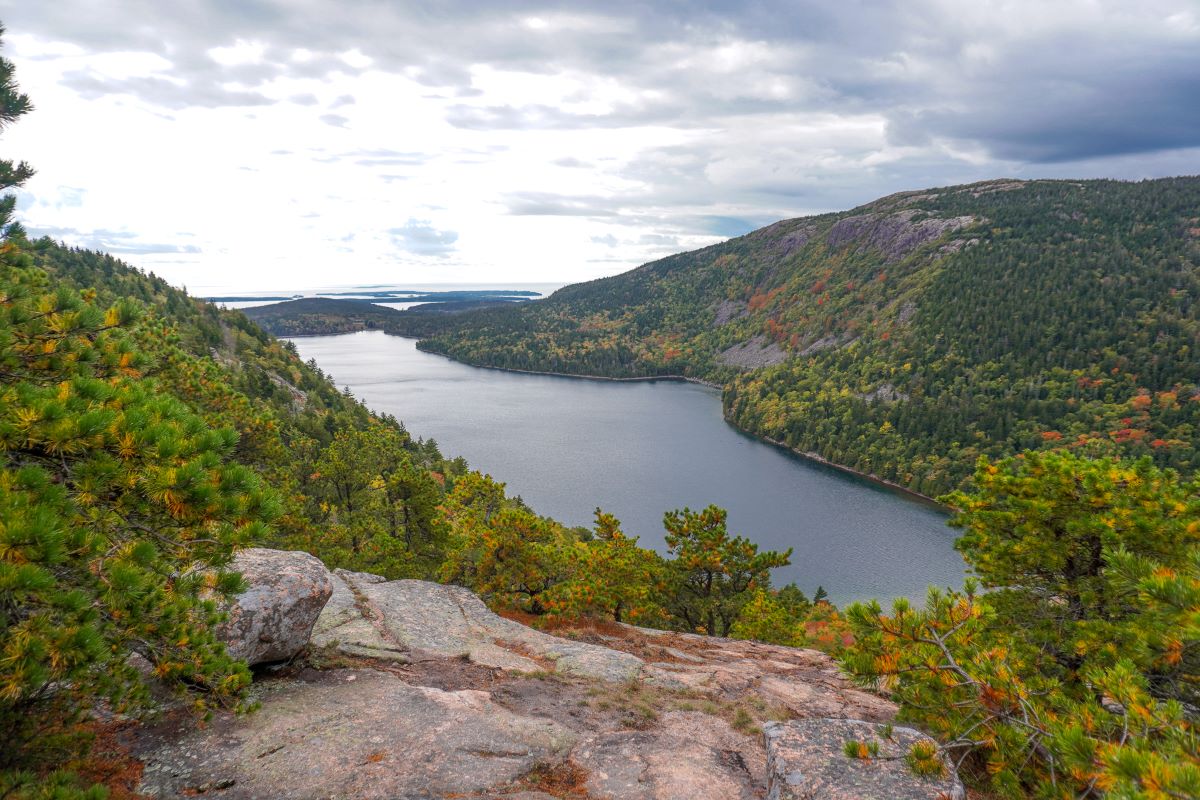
[(412, 689)]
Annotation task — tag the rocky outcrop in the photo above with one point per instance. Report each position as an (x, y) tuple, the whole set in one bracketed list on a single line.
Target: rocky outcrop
[(757, 352), (416, 690), (273, 619), (885, 392), (727, 311), (824, 343), (689, 755), (895, 235), (351, 734), (786, 236), (806, 761), (403, 619), (791, 681)]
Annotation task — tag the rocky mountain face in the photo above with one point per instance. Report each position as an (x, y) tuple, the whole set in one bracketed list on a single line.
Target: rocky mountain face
[(410, 689), (989, 319)]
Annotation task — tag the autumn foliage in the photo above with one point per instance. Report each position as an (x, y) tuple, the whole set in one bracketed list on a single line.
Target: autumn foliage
[(1076, 674)]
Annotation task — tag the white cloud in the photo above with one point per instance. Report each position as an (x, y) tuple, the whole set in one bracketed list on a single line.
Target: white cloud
[(260, 146)]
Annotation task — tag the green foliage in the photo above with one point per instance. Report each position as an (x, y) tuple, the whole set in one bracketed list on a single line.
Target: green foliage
[(713, 574), (924, 758), (711, 581), (1063, 314), (1100, 562), (13, 105), (853, 748), (1040, 532), (119, 509), (503, 550), (613, 577), (58, 785), (381, 513), (786, 617), (765, 619)]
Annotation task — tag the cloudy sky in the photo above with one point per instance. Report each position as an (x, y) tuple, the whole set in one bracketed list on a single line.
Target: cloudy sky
[(268, 144)]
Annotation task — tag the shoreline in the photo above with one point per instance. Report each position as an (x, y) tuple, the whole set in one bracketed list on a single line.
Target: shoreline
[(809, 455), (675, 378), (816, 458)]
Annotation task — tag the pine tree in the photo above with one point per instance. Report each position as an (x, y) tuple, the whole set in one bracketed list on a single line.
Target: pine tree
[(120, 509), (1068, 678), (713, 573)]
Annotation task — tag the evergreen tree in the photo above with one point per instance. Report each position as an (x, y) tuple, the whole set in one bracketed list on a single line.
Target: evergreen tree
[(712, 573), (120, 509), (13, 105), (1082, 693)]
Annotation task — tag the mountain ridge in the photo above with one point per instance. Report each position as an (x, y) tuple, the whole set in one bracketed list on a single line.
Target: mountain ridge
[(906, 337)]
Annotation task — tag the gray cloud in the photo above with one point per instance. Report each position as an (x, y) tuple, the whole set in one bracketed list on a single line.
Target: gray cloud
[(421, 238), (161, 91), (780, 108), (548, 204), (115, 242), (1074, 81)]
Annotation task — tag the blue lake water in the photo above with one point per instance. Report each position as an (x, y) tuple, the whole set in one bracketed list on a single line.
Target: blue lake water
[(639, 449)]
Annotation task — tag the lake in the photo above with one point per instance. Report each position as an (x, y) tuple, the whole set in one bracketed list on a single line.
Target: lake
[(639, 449)]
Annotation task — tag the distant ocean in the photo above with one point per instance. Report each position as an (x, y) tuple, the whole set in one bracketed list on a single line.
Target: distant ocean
[(396, 293)]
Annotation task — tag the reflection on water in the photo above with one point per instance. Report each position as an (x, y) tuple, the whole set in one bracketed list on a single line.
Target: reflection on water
[(639, 449)]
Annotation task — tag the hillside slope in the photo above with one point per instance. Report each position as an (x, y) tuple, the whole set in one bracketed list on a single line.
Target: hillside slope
[(909, 336), (286, 412)]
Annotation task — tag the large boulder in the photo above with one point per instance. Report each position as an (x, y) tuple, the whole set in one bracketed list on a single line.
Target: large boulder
[(806, 760), (394, 620), (273, 619)]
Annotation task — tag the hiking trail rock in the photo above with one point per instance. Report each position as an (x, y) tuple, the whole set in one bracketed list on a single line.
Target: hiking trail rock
[(352, 734), (408, 618), (417, 690), (806, 761), (273, 619)]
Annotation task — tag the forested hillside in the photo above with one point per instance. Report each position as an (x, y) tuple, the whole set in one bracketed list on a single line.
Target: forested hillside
[(909, 336), (146, 437)]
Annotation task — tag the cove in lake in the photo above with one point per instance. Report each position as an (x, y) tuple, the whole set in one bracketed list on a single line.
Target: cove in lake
[(639, 449)]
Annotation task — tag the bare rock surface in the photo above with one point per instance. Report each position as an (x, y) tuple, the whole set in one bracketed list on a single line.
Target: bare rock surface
[(690, 756), (824, 343), (417, 690), (895, 235), (756, 352), (351, 734), (273, 619), (348, 624), (400, 618), (787, 236), (727, 311), (885, 392), (797, 681), (806, 761)]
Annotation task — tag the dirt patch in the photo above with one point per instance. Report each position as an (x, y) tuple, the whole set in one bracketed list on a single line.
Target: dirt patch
[(564, 780), (110, 762)]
